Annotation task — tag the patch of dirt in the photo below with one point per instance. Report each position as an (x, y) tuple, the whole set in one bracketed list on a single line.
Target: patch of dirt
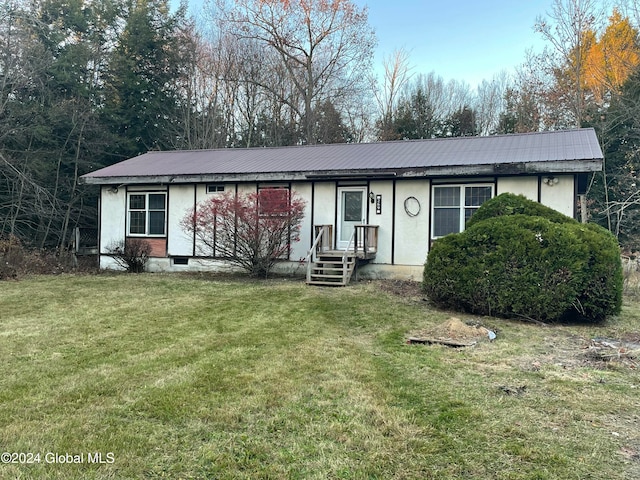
[(452, 331), (406, 289)]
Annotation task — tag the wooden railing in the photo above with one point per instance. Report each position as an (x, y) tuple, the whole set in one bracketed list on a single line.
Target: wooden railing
[(363, 239), (322, 242), (325, 233), (323, 259), (366, 239), (346, 273)]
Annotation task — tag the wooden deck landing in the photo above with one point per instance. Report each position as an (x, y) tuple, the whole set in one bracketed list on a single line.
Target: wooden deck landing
[(350, 253)]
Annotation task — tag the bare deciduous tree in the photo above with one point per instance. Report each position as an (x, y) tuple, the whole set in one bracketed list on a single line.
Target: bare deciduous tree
[(396, 73), (323, 47), (490, 103)]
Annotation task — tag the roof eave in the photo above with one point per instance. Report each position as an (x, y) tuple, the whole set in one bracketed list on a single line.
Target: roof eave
[(515, 168)]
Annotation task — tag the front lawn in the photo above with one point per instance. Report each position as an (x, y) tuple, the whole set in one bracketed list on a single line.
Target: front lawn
[(198, 377)]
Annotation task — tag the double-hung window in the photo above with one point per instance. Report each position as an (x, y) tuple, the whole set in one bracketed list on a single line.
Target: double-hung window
[(147, 214), (453, 205)]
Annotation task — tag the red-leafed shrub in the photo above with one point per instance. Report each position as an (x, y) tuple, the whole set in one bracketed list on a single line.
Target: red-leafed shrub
[(252, 231)]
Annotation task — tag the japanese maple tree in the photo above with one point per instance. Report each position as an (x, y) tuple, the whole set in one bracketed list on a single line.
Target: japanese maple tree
[(252, 230)]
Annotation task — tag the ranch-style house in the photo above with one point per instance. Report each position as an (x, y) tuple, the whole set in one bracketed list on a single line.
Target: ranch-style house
[(374, 206)]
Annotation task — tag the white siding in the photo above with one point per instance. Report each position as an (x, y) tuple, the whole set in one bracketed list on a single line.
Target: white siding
[(201, 196), (412, 233), (325, 204), (384, 220), (180, 202), (299, 249), (527, 186), (402, 238), (559, 196), (245, 188), (113, 211)]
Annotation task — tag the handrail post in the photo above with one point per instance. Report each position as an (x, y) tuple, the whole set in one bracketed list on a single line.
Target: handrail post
[(365, 239), (313, 251), (355, 241)]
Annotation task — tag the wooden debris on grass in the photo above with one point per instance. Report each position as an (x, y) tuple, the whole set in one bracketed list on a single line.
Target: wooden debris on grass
[(608, 349), (448, 343)]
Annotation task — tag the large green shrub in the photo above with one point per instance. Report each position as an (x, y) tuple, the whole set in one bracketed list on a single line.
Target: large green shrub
[(511, 204), (525, 260)]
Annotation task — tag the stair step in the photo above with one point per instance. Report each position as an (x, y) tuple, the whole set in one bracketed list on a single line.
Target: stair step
[(329, 270), (334, 264)]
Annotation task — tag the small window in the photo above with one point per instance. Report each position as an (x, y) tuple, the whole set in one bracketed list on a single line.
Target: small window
[(147, 214), (453, 206), (180, 261), (215, 188)]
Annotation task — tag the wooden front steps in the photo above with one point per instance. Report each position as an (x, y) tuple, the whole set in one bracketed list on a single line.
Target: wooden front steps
[(327, 266), (332, 269)]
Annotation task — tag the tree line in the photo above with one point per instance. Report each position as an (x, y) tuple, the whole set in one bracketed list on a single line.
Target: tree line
[(86, 84)]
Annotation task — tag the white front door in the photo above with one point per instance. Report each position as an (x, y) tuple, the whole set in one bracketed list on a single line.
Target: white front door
[(352, 211)]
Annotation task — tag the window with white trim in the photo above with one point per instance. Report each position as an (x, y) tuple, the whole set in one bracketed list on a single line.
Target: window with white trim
[(147, 214), (215, 188), (453, 205)]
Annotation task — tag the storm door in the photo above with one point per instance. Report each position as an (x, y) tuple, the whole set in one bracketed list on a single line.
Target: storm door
[(352, 211)]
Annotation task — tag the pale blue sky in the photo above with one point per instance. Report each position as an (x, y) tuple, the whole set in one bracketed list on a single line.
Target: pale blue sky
[(464, 40)]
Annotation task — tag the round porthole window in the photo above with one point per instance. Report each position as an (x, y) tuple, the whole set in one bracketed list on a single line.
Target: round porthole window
[(412, 206)]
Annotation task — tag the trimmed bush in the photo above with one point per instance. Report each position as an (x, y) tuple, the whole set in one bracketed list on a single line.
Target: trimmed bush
[(511, 204), (544, 267), (602, 292)]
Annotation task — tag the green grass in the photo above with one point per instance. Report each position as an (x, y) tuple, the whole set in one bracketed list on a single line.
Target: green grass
[(193, 377)]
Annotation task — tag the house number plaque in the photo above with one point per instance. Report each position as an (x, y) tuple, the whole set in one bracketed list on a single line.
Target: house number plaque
[(378, 204)]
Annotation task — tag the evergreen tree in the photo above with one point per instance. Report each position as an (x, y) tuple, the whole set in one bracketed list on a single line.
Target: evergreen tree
[(143, 81)]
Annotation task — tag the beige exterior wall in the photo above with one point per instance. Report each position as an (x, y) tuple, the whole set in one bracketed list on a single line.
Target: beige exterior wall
[(412, 232), (113, 211), (403, 236), (384, 220), (325, 203), (527, 186), (202, 196), (299, 249), (181, 198), (559, 194), (557, 191)]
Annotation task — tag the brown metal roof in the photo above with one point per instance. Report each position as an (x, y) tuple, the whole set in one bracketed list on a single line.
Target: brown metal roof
[(418, 155)]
